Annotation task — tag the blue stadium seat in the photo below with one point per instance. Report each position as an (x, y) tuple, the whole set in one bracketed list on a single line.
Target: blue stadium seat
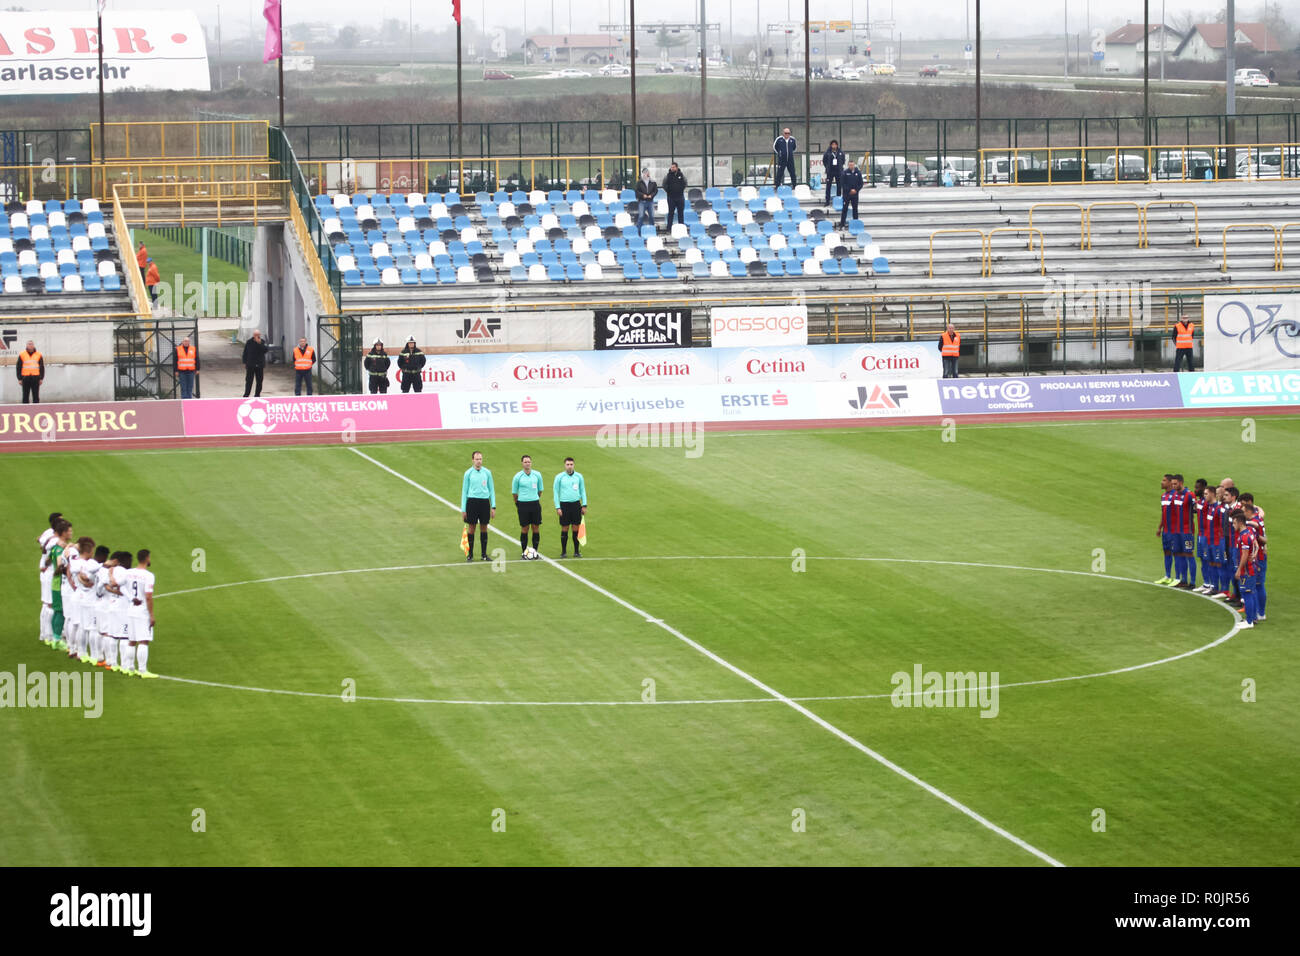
[(370, 277), (447, 276), (573, 272), (555, 272), (410, 277), (830, 267), (880, 266), (848, 267), (630, 271), (668, 270), (736, 268), (53, 284), (90, 283), (518, 274), (429, 276)]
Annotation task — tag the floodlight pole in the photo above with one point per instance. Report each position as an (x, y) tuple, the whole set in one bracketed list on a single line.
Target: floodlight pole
[(1146, 76), (631, 4), (979, 158), (807, 86)]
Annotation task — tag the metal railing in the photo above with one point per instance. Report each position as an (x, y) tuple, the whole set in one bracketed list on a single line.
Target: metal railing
[(468, 176), (1114, 204), (1144, 219), (300, 195), (179, 139), (225, 203), (1083, 217), (1015, 230), (1278, 250), (329, 303), (984, 246), (1273, 230), (82, 180), (140, 300), (1073, 165)]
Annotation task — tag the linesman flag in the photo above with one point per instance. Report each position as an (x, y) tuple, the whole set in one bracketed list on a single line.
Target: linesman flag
[(582, 532), (464, 539), (455, 10), (271, 11)]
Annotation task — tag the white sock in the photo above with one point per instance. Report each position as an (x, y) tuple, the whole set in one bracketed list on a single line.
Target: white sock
[(72, 638), (47, 620), (110, 651), (94, 645), (142, 657), (128, 655)]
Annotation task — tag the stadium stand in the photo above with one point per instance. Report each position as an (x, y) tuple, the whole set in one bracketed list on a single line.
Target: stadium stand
[(54, 250), (588, 236)]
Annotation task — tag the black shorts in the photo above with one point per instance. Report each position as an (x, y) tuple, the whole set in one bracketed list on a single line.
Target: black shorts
[(530, 512), (477, 510), (570, 513)]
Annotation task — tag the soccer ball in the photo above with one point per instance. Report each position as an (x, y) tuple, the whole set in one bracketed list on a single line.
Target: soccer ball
[(530, 554), (252, 417)]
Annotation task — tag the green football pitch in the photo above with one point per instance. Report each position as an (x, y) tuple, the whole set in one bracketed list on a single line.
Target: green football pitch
[(709, 684)]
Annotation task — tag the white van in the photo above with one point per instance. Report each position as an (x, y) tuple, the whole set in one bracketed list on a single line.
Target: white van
[(875, 168), (997, 169)]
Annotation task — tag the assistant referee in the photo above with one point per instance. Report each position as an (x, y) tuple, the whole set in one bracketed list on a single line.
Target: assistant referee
[(570, 505), (478, 504), (527, 490)]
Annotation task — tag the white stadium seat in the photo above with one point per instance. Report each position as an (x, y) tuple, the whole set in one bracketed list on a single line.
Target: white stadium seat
[(469, 234), (524, 246), (580, 208), (807, 228), (654, 243), (390, 276), (89, 205), (708, 217), (718, 268), (591, 233), (593, 271), (748, 255), (821, 252), (772, 204), (777, 242), (722, 243), (609, 196), (40, 232), (7, 245), (536, 233), (48, 269), (422, 261), (693, 256), (803, 193), (107, 269), (581, 245), (95, 230), (550, 221), (679, 229), (506, 209), (537, 197), (72, 283), (465, 274), (18, 219), (35, 207), (748, 193), (537, 273), (415, 199), (80, 244), (744, 217), (622, 220), (340, 200), (13, 284), (332, 224), (509, 260), (812, 267), (380, 249), (57, 219), (406, 224), (437, 248), (27, 257), (661, 207), (438, 210), (366, 212), (64, 255), (347, 263), (606, 258)]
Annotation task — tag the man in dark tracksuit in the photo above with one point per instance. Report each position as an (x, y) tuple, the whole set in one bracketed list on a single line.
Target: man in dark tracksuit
[(784, 147), (675, 192), (377, 364), (410, 361), (851, 187), (254, 363), (833, 166)]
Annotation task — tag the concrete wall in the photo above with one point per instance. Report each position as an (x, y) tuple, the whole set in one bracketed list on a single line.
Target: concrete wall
[(63, 383)]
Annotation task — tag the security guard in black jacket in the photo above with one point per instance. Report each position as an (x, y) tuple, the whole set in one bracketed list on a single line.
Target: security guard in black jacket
[(833, 167), (377, 364), (410, 362), (851, 185)]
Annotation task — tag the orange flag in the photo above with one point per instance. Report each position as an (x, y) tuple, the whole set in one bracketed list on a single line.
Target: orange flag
[(582, 532), (464, 539)]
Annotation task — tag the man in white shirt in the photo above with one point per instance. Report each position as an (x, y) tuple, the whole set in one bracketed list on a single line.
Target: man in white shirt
[(140, 612), (103, 600), (72, 595), (46, 541), (90, 565), (119, 601)]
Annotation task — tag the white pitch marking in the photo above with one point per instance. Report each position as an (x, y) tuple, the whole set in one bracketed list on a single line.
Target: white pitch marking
[(794, 705)]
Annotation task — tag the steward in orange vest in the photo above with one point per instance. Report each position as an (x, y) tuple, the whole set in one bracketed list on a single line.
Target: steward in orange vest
[(304, 357), (1184, 342), (950, 349), (187, 363), (31, 372)]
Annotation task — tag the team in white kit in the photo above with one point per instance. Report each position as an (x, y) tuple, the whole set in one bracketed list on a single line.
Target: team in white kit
[(96, 604)]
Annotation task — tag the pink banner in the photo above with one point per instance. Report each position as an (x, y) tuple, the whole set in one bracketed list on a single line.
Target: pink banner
[(271, 10), (321, 414)]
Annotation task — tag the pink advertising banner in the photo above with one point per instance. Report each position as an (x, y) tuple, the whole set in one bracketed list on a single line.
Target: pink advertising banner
[(321, 414)]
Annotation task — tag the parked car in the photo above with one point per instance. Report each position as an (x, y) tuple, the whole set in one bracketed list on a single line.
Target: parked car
[(1182, 164), (883, 69), (1259, 164), (1129, 166), (998, 169), (572, 73), (614, 69), (962, 169), (846, 73), (663, 68), (497, 75), (1249, 76), (928, 71)]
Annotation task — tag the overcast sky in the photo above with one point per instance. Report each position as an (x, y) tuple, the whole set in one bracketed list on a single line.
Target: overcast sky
[(917, 18)]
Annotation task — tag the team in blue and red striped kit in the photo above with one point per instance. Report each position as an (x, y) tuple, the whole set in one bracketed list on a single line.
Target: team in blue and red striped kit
[(1203, 524)]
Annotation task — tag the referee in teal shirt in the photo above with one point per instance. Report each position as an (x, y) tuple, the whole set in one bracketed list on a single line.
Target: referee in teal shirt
[(478, 503), (527, 489), (570, 505)]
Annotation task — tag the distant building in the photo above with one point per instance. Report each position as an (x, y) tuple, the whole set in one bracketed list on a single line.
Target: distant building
[(1125, 47), (565, 48), (1208, 42)]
